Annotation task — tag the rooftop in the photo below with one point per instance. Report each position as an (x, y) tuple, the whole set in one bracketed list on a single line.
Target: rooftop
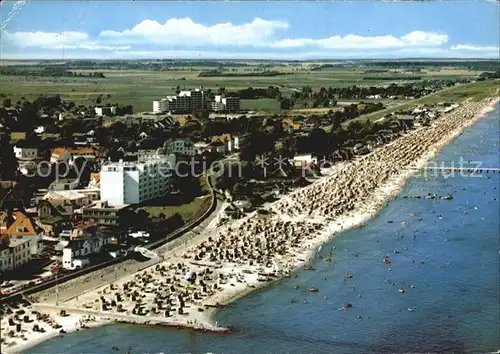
[(23, 226), (71, 195), (16, 242)]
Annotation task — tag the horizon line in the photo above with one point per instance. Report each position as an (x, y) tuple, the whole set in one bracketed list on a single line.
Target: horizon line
[(257, 59)]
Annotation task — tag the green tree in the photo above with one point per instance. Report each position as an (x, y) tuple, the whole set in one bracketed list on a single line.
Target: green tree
[(288, 146), (8, 161), (6, 102), (286, 104), (318, 142)]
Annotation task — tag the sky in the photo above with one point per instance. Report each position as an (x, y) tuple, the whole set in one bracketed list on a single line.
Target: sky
[(288, 30)]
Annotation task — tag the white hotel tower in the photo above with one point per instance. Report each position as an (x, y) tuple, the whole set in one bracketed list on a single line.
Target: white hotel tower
[(134, 182)]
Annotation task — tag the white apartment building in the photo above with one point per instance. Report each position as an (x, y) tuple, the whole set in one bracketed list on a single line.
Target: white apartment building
[(217, 106), (162, 106), (104, 111), (228, 104), (197, 99), (157, 107), (133, 182), (181, 147), (232, 104), (185, 101)]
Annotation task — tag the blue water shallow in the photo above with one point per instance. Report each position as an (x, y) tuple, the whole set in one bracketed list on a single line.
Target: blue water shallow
[(444, 253)]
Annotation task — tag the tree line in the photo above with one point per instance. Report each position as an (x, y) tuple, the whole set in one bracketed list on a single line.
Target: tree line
[(50, 72), (392, 78), (220, 73)]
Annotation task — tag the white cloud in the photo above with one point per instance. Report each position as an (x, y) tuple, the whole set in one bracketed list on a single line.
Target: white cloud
[(258, 33), (351, 41), (420, 38), (43, 39), (55, 40), (186, 32), (183, 38), (92, 47), (472, 48)]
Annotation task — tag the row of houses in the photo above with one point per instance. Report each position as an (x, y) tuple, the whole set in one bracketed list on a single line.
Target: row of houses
[(74, 219), (86, 219)]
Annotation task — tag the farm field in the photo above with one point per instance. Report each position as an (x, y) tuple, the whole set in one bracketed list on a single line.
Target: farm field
[(140, 87)]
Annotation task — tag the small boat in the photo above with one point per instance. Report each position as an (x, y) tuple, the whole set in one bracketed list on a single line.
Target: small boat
[(401, 291), (313, 290), (447, 197), (348, 276), (386, 260), (327, 259), (309, 267), (410, 309), (262, 278)]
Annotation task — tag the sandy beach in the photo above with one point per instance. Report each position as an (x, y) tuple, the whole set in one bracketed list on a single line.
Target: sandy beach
[(226, 262)]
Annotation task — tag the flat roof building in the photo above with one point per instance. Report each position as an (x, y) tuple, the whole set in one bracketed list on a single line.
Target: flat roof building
[(134, 182)]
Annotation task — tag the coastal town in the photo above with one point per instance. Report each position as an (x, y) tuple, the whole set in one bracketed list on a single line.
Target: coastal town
[(161, 217), (249, 177), (79, 200)]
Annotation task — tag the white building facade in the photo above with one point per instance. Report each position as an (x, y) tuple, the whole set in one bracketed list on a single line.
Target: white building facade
[(162, 106), (185, 101), (14, 254), (227, 104), (104, 111), (133, 182), (24, 153), (232, 104), (181, 147), (75, 254)]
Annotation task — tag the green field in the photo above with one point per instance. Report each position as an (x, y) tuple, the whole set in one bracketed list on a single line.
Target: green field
[(261, 104), (140, 87)]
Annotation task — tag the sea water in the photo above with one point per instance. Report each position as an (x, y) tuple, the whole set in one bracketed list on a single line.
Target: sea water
[(444, 255)]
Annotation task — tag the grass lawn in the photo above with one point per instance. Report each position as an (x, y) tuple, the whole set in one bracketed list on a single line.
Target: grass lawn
[(261, 104), (189, 210)]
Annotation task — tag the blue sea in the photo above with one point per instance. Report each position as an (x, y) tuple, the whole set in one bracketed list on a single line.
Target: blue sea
[(445, 256)]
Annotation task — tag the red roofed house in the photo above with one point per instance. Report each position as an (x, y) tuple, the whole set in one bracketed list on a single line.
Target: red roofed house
[(25, 228)]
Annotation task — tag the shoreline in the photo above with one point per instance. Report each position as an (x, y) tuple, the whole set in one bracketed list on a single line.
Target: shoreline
[(363, 212)]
